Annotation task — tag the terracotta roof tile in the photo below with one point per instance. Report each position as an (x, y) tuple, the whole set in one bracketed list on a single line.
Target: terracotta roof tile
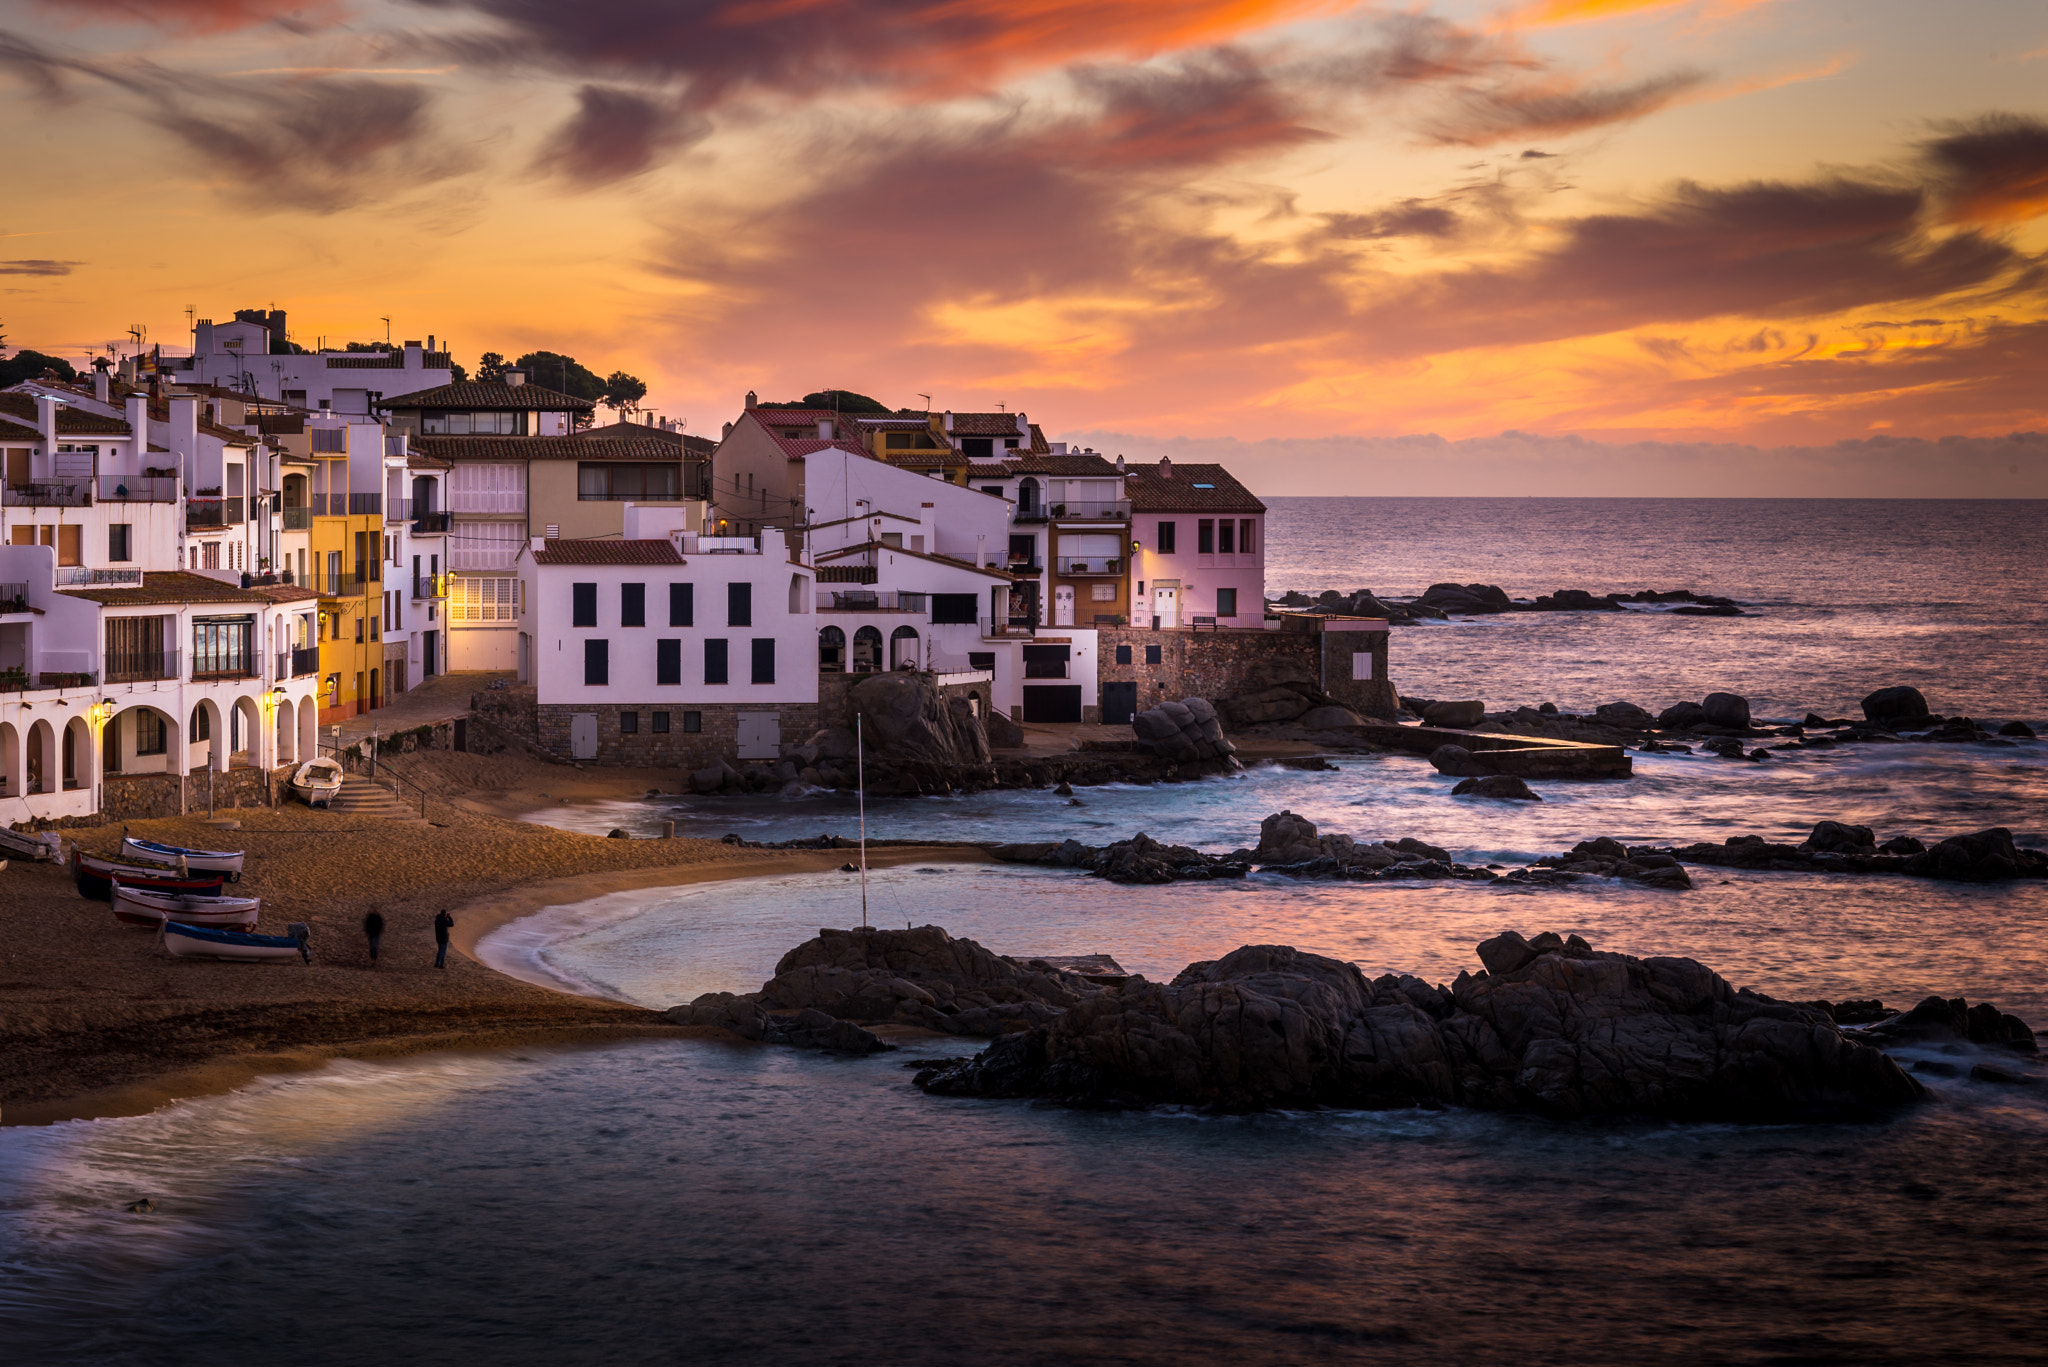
[(608, 552), (71, 420), (1152, 492), (1036, 463), (544, 448), (692, 447), (985, 425), (170, 587), (477, 394), (862, 548)]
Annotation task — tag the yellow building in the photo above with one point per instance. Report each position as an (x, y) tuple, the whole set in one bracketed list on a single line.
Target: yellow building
[(346, 568)]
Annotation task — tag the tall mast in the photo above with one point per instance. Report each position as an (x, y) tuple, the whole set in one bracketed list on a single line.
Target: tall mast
[(860, 767)]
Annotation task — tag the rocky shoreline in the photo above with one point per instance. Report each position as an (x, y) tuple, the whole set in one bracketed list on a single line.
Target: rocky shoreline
[(1548, 1025), (1440, 602)]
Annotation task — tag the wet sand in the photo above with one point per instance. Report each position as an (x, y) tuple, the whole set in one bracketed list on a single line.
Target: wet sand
[(96, 1021)]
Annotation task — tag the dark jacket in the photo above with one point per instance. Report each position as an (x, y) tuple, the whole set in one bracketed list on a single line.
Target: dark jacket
[(373, 924), (442, 922)]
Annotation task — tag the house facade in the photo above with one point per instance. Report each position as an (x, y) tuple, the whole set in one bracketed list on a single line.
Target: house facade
[(252, 356), (1199, 547)]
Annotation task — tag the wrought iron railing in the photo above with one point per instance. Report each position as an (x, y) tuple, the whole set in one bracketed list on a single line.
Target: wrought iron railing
[(304, 660), (1078, 565), (139, 666), (138, 489), (397, 510), (869, 600), (429, 524), (13, 598), (48, 494), (429, 586), (298, 519)]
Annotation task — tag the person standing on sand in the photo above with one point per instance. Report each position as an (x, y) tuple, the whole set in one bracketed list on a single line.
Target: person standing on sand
[(442, 922), (373, 931)]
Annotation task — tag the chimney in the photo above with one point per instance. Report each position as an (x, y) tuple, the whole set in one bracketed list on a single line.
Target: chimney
[(1023, 427), (949, 420), (753, 399), (430, 342), (102, 385), (726, 433), (46, 418), (1166, 467), (415, 355), (1119, 464), (824, 429), (138, 423), (184, 442), (515, 376)]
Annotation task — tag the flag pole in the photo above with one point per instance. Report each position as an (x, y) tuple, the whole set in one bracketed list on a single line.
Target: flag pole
[(860, 767)]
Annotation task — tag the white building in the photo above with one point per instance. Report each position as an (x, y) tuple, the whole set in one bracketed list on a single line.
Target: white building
[(667, 648), (249, 356)]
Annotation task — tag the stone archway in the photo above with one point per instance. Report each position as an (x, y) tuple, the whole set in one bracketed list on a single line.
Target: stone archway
[(831, 651), (245, 733), (42, 758), (867, 650), (141, 740), (287, 731), (905, 651), (206, 736), (10, 761), (309, 728)]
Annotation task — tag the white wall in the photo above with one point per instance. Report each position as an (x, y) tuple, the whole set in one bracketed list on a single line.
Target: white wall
[(953, 521)]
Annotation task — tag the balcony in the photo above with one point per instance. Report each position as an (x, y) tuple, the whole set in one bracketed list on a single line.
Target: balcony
[(13, 598), (48, 494), (429, 524), (78, 576), (298, 519), (138, 489), (1028, 568), (210, 671), (722, 545), (398, 510), (305, 660), (428, 586), (141, 666), (343, 586), (1093, 510), (212, 513), (1016, 626), (868, 600), (1080, 567), (362, 505)]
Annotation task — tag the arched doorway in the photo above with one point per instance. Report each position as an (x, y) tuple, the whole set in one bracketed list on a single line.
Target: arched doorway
[(287, 730), (903, 649), (200, 730), (1027, 496), (831, 651), (797, 603), (141, 740), (42, 759), (246, 734), (867, 650), (309, 728), (75, 754), (10, 760)]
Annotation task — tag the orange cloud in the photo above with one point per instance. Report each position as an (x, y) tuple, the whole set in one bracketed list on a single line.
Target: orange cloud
[(1994, 170), (201, 16), (1587, 11)]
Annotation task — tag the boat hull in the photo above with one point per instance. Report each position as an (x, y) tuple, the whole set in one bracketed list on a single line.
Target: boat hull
[(95, 878), (134, 907), (199, 942), (227, 862)]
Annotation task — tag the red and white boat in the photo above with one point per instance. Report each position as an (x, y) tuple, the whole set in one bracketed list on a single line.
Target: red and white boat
[(137, 907), (95, 878)]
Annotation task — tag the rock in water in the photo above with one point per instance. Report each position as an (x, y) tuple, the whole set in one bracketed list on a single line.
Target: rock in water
[(1183, 731), (1726, 709), (1552, 1026), (1505, 787), (1458, 716), (1625, 715), (1327, 718), (2017, 729), (1456, 761), (1894, 705), (1834, 836), (1681, 715)]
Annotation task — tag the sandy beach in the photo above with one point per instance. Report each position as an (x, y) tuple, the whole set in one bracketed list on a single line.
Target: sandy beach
[(94, 1021)]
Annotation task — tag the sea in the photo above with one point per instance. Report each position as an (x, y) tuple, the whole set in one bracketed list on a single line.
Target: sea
[(689, 1201)]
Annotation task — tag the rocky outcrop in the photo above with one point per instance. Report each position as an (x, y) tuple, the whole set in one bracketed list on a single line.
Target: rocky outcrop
[(1609, 858), (1473, 600), (1187, 731), (1898, 704), (1550, 1025), (1953, 1020), (1726, 709), (1466, 600), (1141, 859), (1002, 733), (1456, 762), (910, 727), (922, 977), (1980, 857), (1500, 787), (1329, 718), (1456, 715)]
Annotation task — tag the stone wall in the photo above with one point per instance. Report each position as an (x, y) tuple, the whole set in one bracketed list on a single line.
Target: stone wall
[(140, 797), (717, 737), (1234, 661)]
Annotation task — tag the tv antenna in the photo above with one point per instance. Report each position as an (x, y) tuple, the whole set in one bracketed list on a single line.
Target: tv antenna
[(387, 329)]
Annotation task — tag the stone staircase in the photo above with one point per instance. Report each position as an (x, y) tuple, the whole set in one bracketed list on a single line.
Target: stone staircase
[(360, 797)]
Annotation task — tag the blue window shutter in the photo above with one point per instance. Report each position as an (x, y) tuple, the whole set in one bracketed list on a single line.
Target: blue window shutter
[(597, 663), (585, 605), (714, 661), (668, 662)]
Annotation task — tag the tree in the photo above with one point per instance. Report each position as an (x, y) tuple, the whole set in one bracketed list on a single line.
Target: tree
[(490, 368), (457, 373), (623, 391), (30, 365), (838, 400), (562, 374)]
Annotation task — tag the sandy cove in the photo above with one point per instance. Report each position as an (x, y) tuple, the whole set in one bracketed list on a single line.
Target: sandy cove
[(94, 1021)]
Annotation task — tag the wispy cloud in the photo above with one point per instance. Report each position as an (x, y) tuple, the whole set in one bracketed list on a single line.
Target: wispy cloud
[(38, 267)]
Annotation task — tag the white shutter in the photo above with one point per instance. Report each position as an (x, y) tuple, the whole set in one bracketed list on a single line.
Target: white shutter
[(482, 487), (484, 545)]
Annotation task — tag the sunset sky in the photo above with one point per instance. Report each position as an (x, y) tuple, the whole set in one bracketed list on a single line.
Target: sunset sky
[(1296, 232)]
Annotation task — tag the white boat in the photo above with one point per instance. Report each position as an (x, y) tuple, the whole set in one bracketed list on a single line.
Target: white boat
[(317, 781), (45, 846), (204, 942), (138, 907), (228, 862)]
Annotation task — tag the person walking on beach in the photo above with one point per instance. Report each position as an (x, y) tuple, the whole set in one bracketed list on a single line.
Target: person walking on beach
[(373, 931), (442, 921)]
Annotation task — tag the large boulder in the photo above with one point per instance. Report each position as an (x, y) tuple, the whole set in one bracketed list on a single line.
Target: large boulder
[(1552, 1026), (1002, 733), (1456, 762), (1501, 787), (1278, 703), (909, 725), (1681, 716), (1456, 715), (1625, 715), (1182, 732), (1835, 837), (1328, 718), (1466, 599), (1897, 704), (1726, 709)]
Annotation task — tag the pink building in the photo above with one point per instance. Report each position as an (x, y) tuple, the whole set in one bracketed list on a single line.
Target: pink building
[(1198, 547)]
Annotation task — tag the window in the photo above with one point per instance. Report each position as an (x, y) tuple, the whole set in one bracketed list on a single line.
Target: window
[(473, 424), (202, 725), (632, 605), (1205, 537), (893, 540), (764, 660), (597, 663), (1046, 662), (223, 645), (668, 662), (583, 612), (660, 727), (120, 538), (995, 489), (135, 649), (373, 628), (330, 440), (473, 599), (1226, 537), (1244, 537), (359, 631), (1226, 600), (682, 605), (152, 737), (693, 722), (714, 662), (613, 483), (1151, 655), (739, 605), (977, 448), (981, 659), (1123, 655), (629, 723), (1104, 592), (957, 609), (1164, 538)]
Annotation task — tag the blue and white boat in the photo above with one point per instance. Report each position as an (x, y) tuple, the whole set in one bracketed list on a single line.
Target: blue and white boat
[(228, 862), (204, 942)]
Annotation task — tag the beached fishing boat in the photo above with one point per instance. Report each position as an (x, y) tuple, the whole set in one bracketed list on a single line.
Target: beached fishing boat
[(228, 862), (95, 878), (204, 942), (44, 845), (137, 907), (317, 781)]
